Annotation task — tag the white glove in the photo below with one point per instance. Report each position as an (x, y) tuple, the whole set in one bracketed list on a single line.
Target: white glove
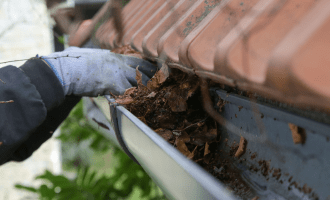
[(93, 72)]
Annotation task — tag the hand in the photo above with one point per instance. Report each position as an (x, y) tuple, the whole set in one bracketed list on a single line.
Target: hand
[(93, 72)]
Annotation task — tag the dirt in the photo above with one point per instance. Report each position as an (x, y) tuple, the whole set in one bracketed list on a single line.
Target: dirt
[(253, 156), (277, 173), (264, 167)]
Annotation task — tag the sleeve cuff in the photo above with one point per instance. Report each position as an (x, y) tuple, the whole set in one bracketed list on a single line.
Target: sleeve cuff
[(46, 82)]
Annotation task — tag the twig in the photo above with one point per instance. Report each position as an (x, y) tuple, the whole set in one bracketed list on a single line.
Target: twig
[(2, 81), (208, 107), (191, 125), (10, 101), (67, 56)]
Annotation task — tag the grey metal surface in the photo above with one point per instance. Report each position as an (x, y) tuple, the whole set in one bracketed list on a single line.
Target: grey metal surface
[(176, 175), (307, 163), (180, 178)]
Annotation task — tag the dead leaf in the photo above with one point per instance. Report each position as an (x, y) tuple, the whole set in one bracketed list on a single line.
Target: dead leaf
[(192, 154), (164, 133), (152, 94), (185, 137), (127, 50), (185, 85), (139, 78), (1, 143), (176, 102), (125, 100), (206, 150), (193, 90), (211, 134), (130, 91), (241, 147), (298, 134), (181, 146), (207, 158), (159, 78)]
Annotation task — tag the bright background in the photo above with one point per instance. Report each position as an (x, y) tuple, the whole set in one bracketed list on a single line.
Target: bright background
[(24, 32)]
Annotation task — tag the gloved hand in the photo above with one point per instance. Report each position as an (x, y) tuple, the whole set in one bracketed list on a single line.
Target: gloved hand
[(93, 72)]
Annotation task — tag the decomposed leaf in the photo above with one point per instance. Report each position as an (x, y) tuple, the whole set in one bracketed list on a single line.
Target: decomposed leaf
[(206, 150)]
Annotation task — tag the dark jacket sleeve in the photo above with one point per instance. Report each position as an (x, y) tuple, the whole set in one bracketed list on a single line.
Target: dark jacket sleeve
[(37, 108)]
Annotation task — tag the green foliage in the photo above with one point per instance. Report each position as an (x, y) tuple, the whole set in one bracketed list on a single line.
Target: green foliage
[(88, 183), (75, 129), (61, 39), (87, 186), (124, 2)]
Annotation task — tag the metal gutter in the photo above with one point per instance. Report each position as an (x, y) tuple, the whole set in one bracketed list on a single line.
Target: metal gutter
[(92, 111), (178, 177), (301, 166)]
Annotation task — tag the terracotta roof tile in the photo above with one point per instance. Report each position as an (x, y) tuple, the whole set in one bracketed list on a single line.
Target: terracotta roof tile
[(152, 38), (142, 14), (277, 48)]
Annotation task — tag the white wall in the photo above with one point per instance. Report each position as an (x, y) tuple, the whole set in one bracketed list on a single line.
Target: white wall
[(25, 32)]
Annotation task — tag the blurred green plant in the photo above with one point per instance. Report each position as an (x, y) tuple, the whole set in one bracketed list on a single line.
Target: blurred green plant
[(61, 39), (124, 2), (126, 177)]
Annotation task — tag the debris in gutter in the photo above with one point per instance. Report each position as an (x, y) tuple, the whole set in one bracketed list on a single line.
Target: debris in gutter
[(298, 134), (172, 106), (159, 78), (152, 94), (241, 147), (101, 124)]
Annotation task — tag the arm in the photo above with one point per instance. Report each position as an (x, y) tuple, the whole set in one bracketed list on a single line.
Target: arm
[(32, 102), (45, 90)]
